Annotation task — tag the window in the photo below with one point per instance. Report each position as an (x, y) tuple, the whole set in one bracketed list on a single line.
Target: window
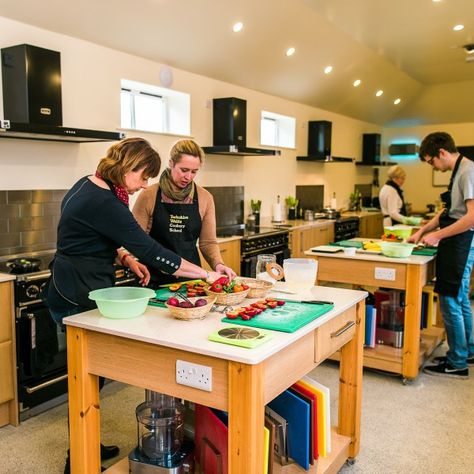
[(277, 130), (154, 109)]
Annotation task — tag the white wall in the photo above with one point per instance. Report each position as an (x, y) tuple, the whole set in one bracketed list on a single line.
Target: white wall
[(91, 77)]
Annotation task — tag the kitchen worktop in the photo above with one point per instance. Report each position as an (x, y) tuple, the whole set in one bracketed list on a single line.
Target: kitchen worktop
[(157, 326), (221, 240), (297, 223), (360, 214), (6, 277)]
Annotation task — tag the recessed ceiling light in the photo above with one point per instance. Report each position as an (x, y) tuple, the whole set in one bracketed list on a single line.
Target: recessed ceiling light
[(356, 83), (458, 27), (436, 1), (397, 101), (238, 26), (290, 51), (379, 93), (327, 69)]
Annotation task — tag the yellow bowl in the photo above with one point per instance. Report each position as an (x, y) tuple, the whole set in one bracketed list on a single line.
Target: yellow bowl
[(396, 249), (399, 231)]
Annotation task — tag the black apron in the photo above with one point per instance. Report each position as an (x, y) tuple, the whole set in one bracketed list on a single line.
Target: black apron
[(452, 251), (394, 185), (177, 227)]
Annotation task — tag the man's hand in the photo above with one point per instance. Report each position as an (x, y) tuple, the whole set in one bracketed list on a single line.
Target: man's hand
[(431, 239), (414, 238)]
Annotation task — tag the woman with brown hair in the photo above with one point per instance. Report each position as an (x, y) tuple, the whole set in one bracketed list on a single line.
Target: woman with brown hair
[(95, 221), (178, 213)]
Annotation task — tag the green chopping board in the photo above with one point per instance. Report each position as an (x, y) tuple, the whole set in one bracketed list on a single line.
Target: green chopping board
[(426, 252), (287, 318), (161, 295), (348, 243)]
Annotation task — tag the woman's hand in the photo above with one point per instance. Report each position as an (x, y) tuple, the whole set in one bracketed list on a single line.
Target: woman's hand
[(140, 270), (223, 270)]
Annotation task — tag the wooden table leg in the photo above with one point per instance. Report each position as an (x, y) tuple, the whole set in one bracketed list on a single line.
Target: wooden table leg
[(84, 419), (350, 383), (411, 335), (246, 418)]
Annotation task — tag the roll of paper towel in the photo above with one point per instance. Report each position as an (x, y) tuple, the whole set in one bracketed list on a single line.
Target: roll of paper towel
[(277, 212)]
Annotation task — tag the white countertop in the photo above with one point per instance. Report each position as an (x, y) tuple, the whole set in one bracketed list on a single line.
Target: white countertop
[(6, 277), (157, 326)]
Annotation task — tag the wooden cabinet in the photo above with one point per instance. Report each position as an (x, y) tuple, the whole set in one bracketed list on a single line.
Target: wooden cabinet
[(8, 399), (371, 226), (303, 239), (230, 252)]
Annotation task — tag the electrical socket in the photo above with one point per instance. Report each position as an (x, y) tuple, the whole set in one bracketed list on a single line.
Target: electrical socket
[(194, 375), (384, 273)]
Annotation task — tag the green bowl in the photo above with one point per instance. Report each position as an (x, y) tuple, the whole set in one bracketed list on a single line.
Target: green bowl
[(396, 249), (399, 231), (121, 302)]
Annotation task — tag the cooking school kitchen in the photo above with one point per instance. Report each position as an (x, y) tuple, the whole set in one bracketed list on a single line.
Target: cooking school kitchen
[(237, 244)]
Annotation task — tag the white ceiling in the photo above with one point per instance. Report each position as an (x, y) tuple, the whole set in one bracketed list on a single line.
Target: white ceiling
[(405, 47)]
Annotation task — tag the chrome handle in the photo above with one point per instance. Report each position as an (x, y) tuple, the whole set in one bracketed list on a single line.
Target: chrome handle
[(45, 384), (342, 330)]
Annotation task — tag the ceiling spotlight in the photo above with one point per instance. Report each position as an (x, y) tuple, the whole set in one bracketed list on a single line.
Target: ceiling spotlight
[(379, 93), (356, 83), (397, 101), (327, 69), (436, 1), (469, 48), (290, 51), (458, 27), (238, 27)]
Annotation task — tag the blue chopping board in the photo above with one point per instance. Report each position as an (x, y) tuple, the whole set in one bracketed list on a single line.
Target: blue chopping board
[(287, 318)]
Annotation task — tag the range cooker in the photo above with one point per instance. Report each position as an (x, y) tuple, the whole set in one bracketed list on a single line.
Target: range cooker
[(40, 343), (257, 241)]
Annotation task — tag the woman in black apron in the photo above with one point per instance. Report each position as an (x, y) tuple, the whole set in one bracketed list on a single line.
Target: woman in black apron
[(455, 254), (177, 213), (391, 198)]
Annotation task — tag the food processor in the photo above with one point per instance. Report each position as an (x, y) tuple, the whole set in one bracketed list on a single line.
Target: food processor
[(162, 448)]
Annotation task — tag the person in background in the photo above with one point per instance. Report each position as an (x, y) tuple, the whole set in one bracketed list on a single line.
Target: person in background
[(178, 213), (452, 230), (95, 221), (391, 199)]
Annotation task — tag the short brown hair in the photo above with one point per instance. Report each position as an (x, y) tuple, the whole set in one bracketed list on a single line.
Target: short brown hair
[(186, 147), (433, 142), (131, 154)]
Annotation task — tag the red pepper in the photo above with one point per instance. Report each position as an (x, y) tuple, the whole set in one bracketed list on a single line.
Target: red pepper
[(216, 288), (223, 280)]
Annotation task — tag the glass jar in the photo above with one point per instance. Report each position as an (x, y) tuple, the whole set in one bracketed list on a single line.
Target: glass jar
[(261, 269)]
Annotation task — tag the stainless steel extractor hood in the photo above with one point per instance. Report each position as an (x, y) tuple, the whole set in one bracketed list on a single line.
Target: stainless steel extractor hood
[(32, 102)]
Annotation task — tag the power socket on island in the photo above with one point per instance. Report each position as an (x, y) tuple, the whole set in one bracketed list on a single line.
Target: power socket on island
[(194, 375), (381, 273)]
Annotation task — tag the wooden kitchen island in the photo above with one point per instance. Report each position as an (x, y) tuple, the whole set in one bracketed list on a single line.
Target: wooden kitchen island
[(143, 352), (410, 274)]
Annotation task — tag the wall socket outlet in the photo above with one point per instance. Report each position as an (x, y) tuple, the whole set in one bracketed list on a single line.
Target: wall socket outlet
[(384, 273), (194, 375)]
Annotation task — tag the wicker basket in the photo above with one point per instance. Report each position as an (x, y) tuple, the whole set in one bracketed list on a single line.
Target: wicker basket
[(189, 314), (258, 288), (228, 299)]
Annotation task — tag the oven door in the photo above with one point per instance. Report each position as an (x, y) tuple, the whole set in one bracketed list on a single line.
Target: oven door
[(248, 265), (41, 356)]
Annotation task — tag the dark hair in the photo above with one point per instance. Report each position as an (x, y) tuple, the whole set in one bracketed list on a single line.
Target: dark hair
[(131, 154), (433, 142)]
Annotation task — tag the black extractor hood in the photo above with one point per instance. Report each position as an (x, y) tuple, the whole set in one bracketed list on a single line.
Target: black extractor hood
[(319, 144), (32, 104), (230, 129)]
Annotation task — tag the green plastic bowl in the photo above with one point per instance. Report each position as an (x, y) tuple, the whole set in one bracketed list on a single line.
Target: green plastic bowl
[(400, 231), (396, 249), (122, 302)]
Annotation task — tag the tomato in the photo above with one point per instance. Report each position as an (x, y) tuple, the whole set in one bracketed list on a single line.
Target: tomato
[(175, 287), (232, 314), (251, 312), (245, 287), (272, 304), (246, 317), (269, 299), (280, 302)]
